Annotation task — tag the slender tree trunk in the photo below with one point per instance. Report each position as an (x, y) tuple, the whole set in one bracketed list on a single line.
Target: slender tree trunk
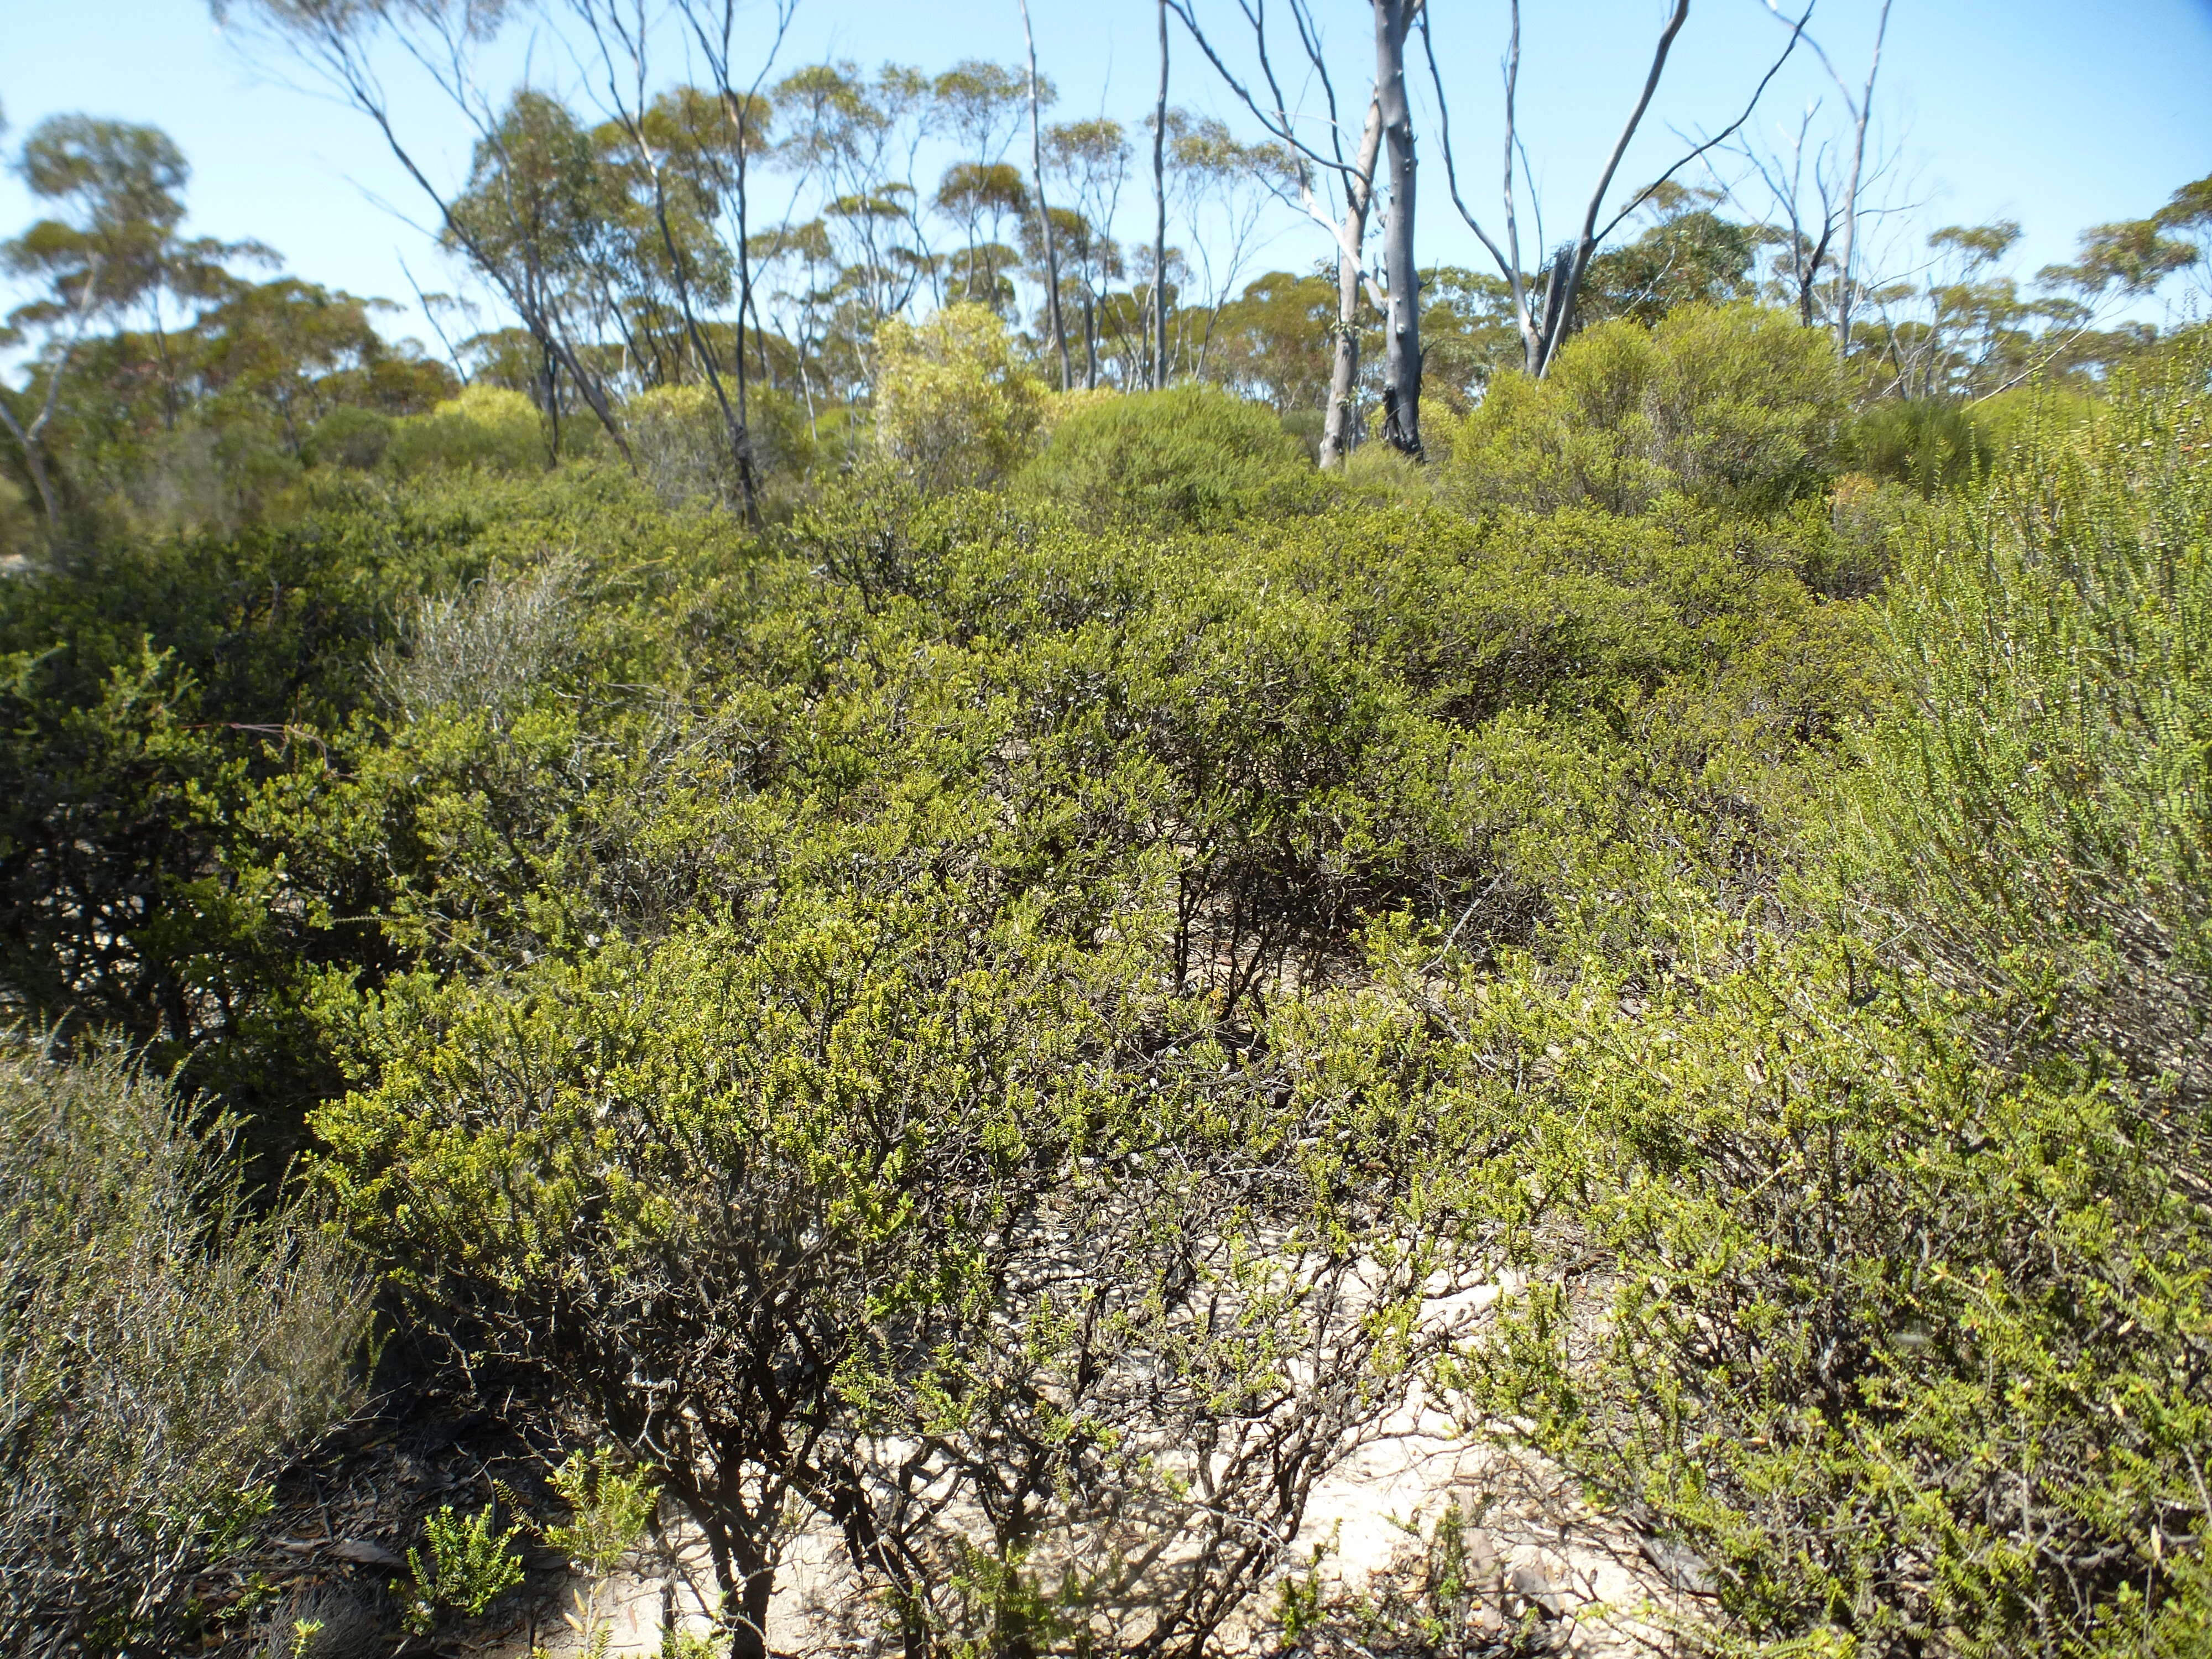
[(1090, 342), (32, 438), (34, 461), (747, 1582), (1843, 254), (1339, 433), (748, 471), (735, 431), (1044, 212), (1402, 331), (1160, 225), (552, 378)]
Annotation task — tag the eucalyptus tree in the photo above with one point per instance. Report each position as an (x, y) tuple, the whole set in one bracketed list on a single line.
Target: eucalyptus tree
[(1336, 190), (111, 244), (535, 218), (746, 113), (686, 150), (1159, 348), (981, 107), (1862, 114), (855, 140), (1545, 310), (1044, 228), (500, 220), (1222, 187), (1090, 160), (979, 196)]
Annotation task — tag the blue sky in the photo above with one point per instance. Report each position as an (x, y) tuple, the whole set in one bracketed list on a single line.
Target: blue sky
[(2056, 114)]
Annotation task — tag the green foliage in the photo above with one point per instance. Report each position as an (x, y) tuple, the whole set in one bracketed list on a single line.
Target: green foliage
[(2043, 810), (1871, 1296), (350, 436), (953, 405), (483, 427), (1691, 256), (163, 1349), (468, 1567), (1755, 911), (1736, 407), (1446, 1593), (1907, 1337), (609, 1508), (1189, 457), (1933, 447)]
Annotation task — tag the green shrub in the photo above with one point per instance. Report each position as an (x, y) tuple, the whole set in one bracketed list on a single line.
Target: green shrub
[(1899, 1202), (350, 436), (485, 427), (2039, 414), (1930, 445), (680, 438), (461, 1568), (1893, 1342), (1191, 457), (22, 530), (2042, 812), (163, 1350), (1736, 406), (953, 405)]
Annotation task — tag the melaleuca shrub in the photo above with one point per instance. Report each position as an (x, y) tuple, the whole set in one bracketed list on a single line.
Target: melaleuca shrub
[(1189, 458), (2037, 818), (1931, 445), (1878, 1273), (1734, 406), (953, 404), (486, 427), (1886, 1338)]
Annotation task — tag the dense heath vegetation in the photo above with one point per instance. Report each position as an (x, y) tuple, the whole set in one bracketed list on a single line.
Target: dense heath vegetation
[(999, 1003)]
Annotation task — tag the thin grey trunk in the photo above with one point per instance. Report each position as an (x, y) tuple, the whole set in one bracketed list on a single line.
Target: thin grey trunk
[(1402, 331), (1338, 432), (31, 439), (735, 434), (1160, 225), (1044, 212), (35, 459), (1571, 265), (750, 473), (1843, 254)]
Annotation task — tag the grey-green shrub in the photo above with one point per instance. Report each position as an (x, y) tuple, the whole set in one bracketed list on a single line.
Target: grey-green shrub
[(1900, 1199), (163, 1347), (2041, 816)]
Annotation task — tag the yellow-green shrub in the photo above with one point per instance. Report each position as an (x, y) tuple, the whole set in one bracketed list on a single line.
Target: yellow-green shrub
[(1736, 406), (1191, 456), (953, 403), (486, 426)]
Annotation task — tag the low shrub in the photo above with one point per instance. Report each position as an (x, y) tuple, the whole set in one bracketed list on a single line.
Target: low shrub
[(485, 427), (953, 405), (1188, 457), (1734, 406), (350, 436), (1900, 1201), (163, 1349), (1931, 445)]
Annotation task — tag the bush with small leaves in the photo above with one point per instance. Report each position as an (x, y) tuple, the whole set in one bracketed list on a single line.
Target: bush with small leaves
[(1736, 406), (954, 405), (164, 1349), (461, 1567), (1188, 457)]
